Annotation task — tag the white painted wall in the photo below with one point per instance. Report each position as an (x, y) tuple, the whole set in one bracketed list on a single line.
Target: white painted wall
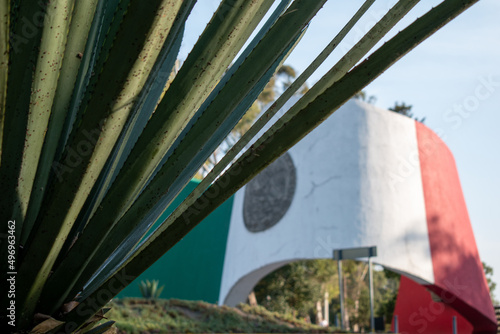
[(347, 195)]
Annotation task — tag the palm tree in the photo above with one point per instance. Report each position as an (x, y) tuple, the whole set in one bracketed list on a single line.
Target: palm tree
[(97, 140)]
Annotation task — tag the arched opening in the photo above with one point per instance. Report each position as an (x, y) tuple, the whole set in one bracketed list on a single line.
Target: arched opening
[(309, 290)]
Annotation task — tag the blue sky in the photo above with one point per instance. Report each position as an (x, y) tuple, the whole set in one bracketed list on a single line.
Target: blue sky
[(453, 79)]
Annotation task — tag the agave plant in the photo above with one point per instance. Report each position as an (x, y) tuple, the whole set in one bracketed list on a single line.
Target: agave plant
[(150, 289), (98, 137)]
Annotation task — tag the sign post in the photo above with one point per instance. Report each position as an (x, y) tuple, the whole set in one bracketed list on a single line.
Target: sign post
[(351, 254), (372, 316), (341, 295)]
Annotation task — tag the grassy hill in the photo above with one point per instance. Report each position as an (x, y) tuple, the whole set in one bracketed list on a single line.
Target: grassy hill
[(167, 316)]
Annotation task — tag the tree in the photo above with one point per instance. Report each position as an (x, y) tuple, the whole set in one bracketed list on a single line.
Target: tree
[(405, 110), (296, 289), (488, 272), (398, 108), (361, 95), (287, 290), (356, 288), (279, 82)]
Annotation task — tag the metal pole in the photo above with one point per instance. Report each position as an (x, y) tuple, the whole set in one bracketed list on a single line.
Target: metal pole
[(454, 325), (327, 309), (372, 319), (341, 295), (396, 324)]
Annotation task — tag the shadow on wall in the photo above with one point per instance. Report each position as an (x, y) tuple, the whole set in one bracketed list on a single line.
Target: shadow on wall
[(459, 281)]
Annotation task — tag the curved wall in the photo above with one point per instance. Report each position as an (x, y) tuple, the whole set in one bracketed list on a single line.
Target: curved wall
[(458, 271), (364, 177), (354, 189), (418, 313)]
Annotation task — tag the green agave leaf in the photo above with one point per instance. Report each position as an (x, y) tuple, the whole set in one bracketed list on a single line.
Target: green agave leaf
[(243, 87), (25, 35), (159, 291), (4, 62), (100, 329), (275, 142), (122, 227), (362, 47), (226, 33), (127, 245), (351, 58), (111, 244), (107, 12), (132, 53), (76, 40), (125, 248), (192, 152), (271, 111), (105, 26), (52, 46), (140, 115), (99, 29), (251, 46)]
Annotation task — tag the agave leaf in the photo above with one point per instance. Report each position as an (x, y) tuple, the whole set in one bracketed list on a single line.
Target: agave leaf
[(138, 210), (52, 46), (158, 79), (253, 14), (125, 247), (159, 291), (282, 138), (214, 51), (99, 29), (271, 111), (140, 114), (142, 287), (251, 46), (182, 174), (239, 92), (77, 38), (4, 62), (102, 328), (141, 230), (106, 13), (191, 153), (25, 34), (132, 53), (47, 326), (226, 33), (111, 244), (24, 37)]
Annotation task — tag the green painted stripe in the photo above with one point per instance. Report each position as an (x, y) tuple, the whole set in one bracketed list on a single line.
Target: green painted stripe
[(192, 269)]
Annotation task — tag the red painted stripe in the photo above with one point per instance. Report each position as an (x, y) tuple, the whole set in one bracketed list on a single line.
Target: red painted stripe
[(457, 266), (418, 313)]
